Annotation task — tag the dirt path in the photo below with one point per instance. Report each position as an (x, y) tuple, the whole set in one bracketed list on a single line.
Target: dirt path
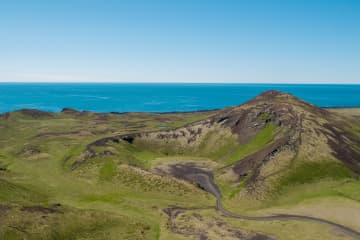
[(205, 181)]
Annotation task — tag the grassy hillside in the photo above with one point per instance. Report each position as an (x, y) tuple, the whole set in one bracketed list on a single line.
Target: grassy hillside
[(116, 200), (83, 175)]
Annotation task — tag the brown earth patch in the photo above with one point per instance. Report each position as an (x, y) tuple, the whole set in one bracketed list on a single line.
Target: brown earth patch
[(29, 150), (55, 134), (34, 113), (5, 115), (241, 121), (4, 209), (56, 208), (196, 225)]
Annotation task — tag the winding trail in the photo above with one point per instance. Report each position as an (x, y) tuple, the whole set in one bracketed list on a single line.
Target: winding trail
[(205, 181)]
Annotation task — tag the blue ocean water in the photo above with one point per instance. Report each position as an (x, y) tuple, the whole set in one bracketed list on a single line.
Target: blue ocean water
[(145, 97)]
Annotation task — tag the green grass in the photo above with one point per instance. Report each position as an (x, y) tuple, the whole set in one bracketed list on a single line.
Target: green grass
[(214, 145), (264, 116), (104, 198), (304, 181), (125, 204), (143, 156), (258, 142), (309, 172), (296, 194), (108, 170), (72, 224), (16, 194), (114, 198), (355, 129), (230, 190), (315, 180)]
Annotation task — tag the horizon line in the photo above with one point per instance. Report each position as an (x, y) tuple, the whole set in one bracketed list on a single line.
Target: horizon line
[(227, 83)]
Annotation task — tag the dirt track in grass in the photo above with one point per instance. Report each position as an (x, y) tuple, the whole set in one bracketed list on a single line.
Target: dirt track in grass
[(205, 180)]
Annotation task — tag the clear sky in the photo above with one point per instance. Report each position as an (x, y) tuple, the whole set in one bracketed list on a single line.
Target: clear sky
[(256, 41)]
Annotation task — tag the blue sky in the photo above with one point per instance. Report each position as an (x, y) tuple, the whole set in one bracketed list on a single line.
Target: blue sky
[(253, 41)]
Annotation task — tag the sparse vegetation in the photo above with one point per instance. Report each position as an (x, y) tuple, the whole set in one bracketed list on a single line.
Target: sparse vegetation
[(258, 142), (54, 186)]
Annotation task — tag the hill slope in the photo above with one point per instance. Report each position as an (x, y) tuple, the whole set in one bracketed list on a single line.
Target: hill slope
[(131, 176), (260, 141)]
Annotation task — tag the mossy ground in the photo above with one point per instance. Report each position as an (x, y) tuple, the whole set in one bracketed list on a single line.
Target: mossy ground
[(113, 202), (108, 199)]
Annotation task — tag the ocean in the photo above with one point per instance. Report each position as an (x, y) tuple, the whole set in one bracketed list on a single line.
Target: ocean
[(147, 97)]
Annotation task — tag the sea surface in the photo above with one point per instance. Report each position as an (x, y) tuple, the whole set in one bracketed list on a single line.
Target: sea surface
[(145, 97)]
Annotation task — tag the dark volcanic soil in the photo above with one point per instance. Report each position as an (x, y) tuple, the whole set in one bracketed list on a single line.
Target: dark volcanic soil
[(192, 173), (41, 209), (341, 143)]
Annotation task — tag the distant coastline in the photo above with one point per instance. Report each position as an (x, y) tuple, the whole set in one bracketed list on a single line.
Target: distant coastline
[(162, 97), (160, 113)]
